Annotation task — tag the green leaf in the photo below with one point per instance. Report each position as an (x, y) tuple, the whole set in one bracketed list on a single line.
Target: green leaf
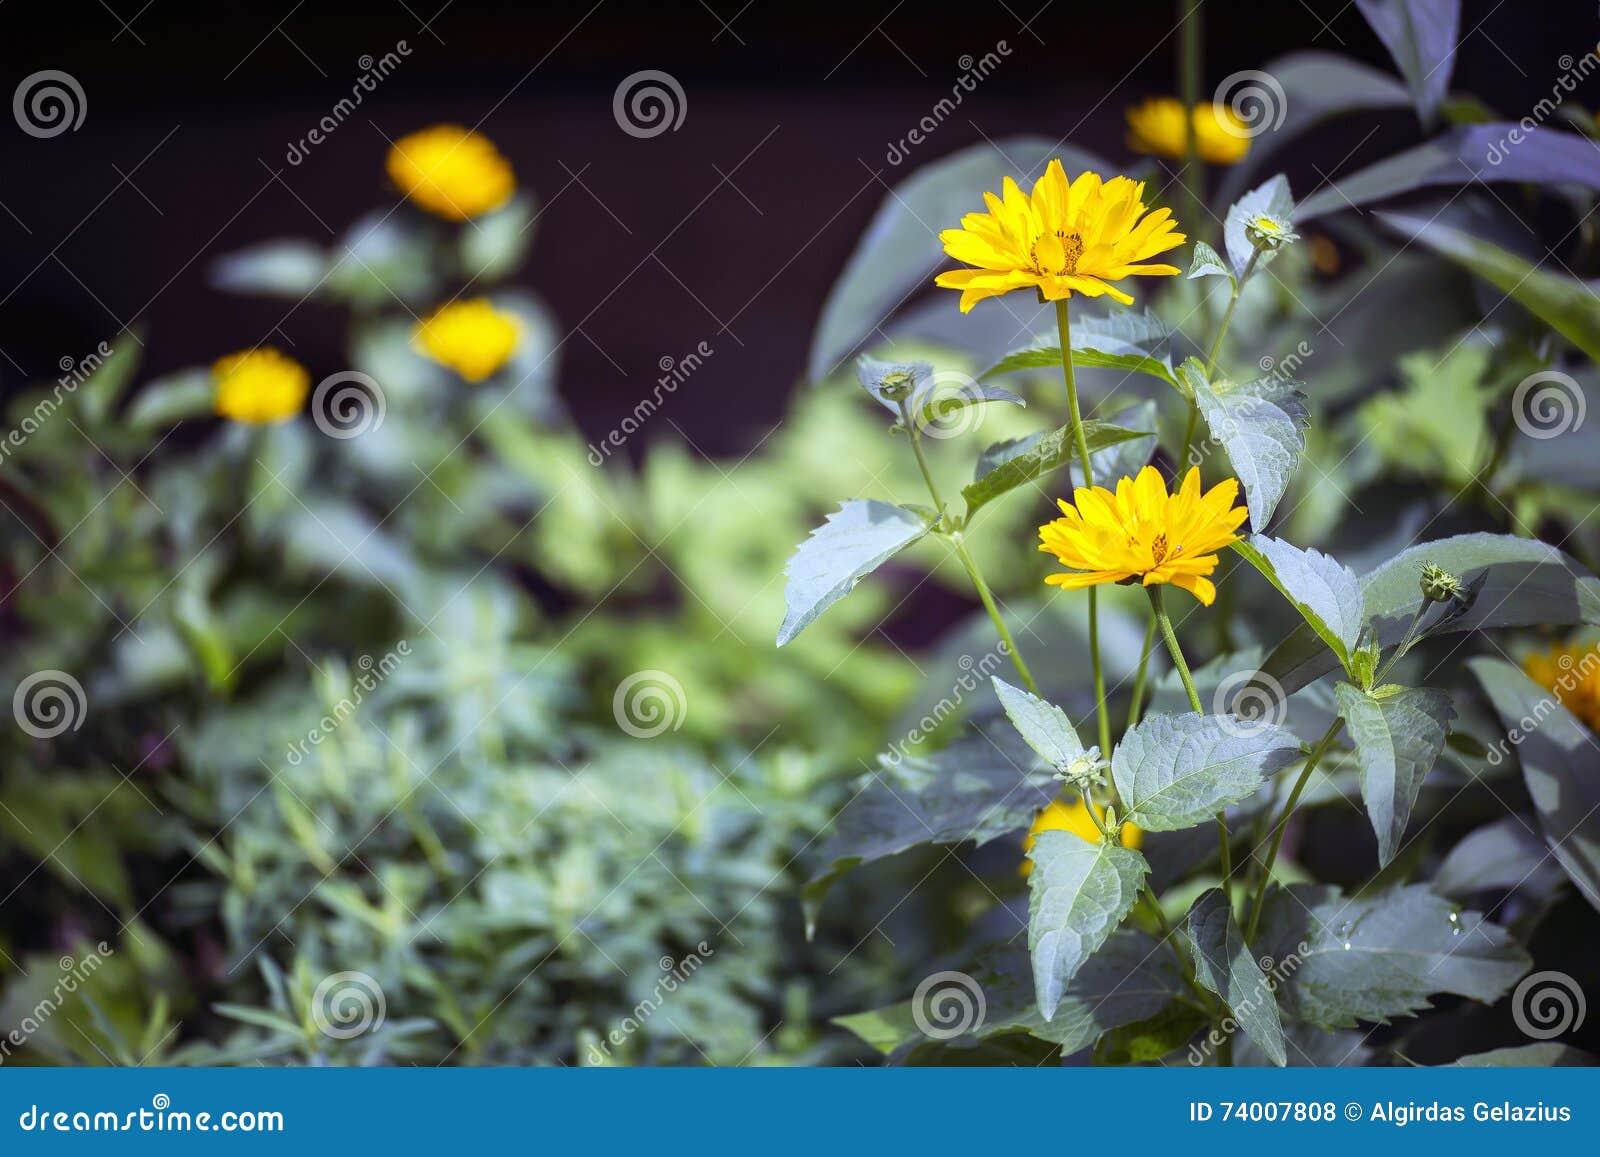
[(1224, 964), (1376, 957), (495, 245), (1078, 893), (1421, 36), (1544, 1055), (1262, 427), (1558, 755), (1148, 1040), (286, 268), (1208, 263), (1271, 198), (1564, 303), (1046, 453), (1047, 355), (860, 537), (190, 394), (978, 788), (1503, 856), (1398, 735), (1326, 593), (108, 376), (1043, 726), (1176, 771)]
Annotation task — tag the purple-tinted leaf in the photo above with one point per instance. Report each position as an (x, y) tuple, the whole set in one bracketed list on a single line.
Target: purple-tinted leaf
[(1421, 35)]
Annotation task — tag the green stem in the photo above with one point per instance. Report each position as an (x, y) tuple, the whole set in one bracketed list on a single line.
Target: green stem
[(1137, 703), (1227, 314), (1190, 66), (1283, 822), (1064, 329), (1406, 643)]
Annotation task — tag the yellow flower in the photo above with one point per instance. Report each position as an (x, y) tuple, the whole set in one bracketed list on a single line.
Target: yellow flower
[(260, 385), (1572, 673), (472, 337), (1067, 237), (451, 171), (1221, 136), (1143, 532), (1061, 816)]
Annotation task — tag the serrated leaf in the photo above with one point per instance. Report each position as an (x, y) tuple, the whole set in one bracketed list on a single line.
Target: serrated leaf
[(1505, 855), (1326, 593), (1043, 726), (1377, 957), (1558, 755), (979, 787), (1421, 36), (1224, 964), (1398, 736), (1208, 263), (858, 538), (1078, 893), (1050, 451), (1176, 771), (1262, 427), (1271, 198)]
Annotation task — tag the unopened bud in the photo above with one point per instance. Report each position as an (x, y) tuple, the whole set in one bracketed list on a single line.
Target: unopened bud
[(1439, 585)]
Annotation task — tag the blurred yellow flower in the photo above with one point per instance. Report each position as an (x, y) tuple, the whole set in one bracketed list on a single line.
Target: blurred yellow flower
[(260, 385), (1155, 126), (473, 338), (1067, 237), (1064, 816), (1143, 532), (1572, 673), (451, 171)]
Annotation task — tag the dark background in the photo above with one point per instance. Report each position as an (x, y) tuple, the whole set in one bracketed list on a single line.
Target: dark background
[(729, 230)]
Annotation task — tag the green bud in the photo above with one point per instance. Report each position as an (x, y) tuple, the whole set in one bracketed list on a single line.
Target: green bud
[(897, 385), (1269, 231), (1440, 586)]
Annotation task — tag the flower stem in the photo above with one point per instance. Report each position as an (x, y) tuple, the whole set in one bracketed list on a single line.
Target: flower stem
[(1283, 822), (1227, 314), (1190, 65), (1064, 329), (1136, 704)]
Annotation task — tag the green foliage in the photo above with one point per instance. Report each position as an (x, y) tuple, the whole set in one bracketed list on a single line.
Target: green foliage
[(1078, 893), (1225, 965), (1398, 734), (1176, 771), (854, 542)]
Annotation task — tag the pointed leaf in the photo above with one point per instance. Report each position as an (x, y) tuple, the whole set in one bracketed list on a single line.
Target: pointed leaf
[(1326, 593), (1421, 35), (1047, 355), (1208, 263), (857, 539), (1078, 893), (1272, 198), (1544, 1055), (1176, 771), (1261, 425), (1043, 726), (1398, 734), (1506, 855), (1041, 456), (1224, 964)]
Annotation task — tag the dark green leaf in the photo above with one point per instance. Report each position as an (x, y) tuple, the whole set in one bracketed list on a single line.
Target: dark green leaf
[(1224, 964), (1398, 734), (857, 539), (1039, 458), (1043, 726), (1176, 771), (1078, 893)]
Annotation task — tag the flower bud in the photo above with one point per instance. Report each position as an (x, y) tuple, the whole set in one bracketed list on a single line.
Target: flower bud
[(1439, 585), (1269, 231)]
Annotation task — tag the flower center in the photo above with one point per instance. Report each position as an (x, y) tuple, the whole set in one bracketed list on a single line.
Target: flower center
[(1056, 253), (1158, 549)]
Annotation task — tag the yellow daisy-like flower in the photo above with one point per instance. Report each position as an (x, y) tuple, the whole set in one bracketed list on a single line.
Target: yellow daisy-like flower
[(452, 172), (260, 385), (1156, 127), (1067, 237), (1142, 532), (1064, 816), (473, 338), (1572, 673)]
